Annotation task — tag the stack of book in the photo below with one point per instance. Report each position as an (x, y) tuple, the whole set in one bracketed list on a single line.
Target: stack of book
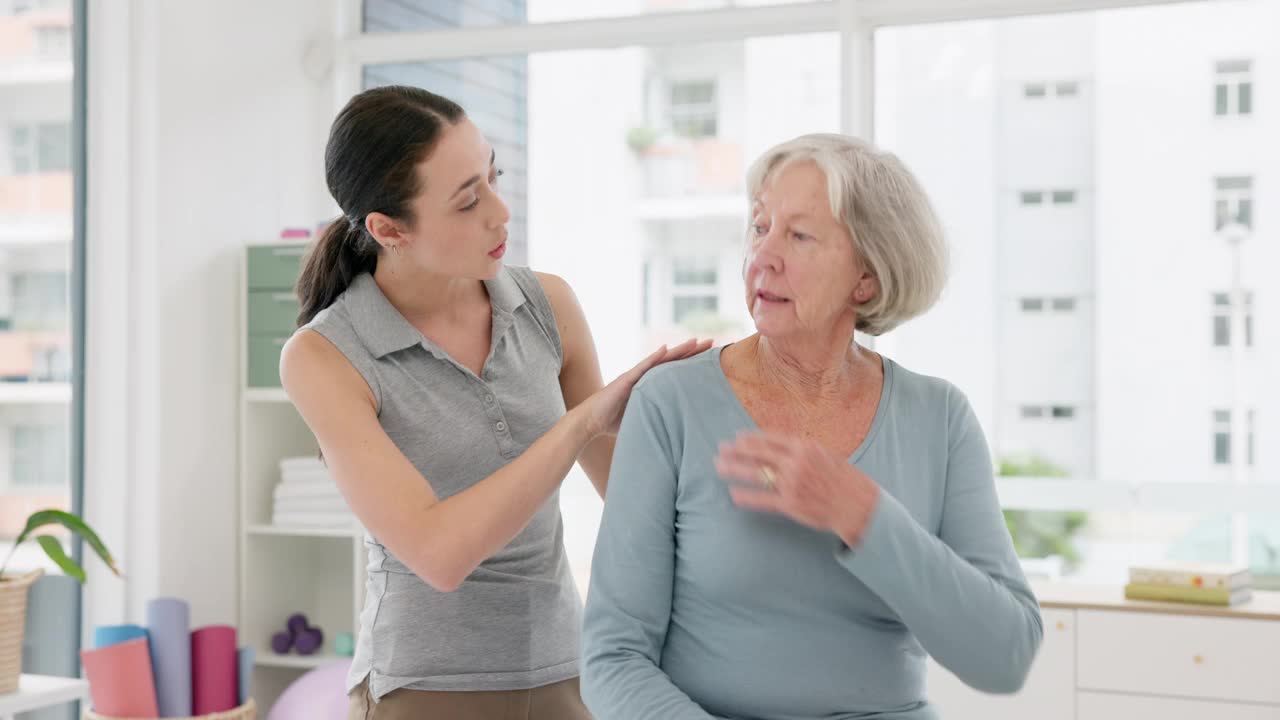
[(307, 497), (1200, 583)]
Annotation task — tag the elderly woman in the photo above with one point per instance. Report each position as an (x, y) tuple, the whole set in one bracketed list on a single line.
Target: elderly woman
[(793, 520)]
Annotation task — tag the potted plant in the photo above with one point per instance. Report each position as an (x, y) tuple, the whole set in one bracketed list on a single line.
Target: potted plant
[(13, 589)]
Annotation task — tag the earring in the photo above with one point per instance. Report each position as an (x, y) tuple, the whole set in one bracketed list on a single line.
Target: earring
[(399, 250)]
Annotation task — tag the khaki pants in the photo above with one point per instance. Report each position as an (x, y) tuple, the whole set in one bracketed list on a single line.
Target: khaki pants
[(557, 701)]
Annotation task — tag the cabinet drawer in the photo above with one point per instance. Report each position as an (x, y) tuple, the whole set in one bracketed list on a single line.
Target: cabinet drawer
[(264, 359), (275, 267), (1106, 706), (272, 312), (1177, 655)]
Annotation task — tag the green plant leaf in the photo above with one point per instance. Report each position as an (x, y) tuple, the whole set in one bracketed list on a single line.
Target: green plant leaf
[(41, 518), (54, 550)]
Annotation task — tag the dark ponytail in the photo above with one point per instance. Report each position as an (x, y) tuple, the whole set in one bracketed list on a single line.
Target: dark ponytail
[(374, 147)]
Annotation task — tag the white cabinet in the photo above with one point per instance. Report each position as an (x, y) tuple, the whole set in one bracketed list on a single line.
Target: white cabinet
[(283, 570), (1104, 658), (1110, 706), (1049, 693), (1184, 656)]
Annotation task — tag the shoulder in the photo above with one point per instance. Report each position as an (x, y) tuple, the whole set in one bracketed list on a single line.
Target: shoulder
[(310, 363), (557, 290), (670, 383), (925, 396)]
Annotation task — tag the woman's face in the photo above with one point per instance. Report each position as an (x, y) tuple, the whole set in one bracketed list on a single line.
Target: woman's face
[(459, 224), (802, 275)]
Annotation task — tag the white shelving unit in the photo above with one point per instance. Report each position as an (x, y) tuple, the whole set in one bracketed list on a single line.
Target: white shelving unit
[(319, 572)]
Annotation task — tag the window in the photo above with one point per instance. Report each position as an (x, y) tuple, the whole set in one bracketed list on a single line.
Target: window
[(22, 155), (39, 458), (1222, 319), (44, 148), (1056, 304), (1222, 429), (695, 289), (1038, 91), (1221, 437), (1093, 400), (1249, 437), (53, 40), (693, 109), (54, 151), (1113, 367), (38, 232), (1234, 201), (39, 300), (687, 308), (1038, 197), (1233, 88), (1041, 412)]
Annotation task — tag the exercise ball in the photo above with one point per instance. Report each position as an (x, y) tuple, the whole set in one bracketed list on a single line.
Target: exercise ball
[(319, 694)]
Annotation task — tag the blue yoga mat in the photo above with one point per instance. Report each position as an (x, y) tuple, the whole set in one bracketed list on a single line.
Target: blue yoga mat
[(104, 635)]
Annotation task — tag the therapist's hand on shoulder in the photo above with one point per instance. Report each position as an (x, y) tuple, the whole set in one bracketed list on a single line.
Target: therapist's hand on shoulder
[(800, 479), (605, 407)]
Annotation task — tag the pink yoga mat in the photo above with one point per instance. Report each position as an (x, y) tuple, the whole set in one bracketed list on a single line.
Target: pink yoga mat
[(214, 668), (120, 682)]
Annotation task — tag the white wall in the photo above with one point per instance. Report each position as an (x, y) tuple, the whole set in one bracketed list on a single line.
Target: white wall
[(206, 133)]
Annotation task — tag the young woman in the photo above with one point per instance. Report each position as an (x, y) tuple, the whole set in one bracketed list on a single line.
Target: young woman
[(450, 395)]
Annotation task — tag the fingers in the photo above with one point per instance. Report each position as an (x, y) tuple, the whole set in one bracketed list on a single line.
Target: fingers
[(688, 349), (665, 354), (756, 500), (740, 470)]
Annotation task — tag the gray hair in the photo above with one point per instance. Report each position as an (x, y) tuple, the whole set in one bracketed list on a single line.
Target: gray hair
[(894, 228)]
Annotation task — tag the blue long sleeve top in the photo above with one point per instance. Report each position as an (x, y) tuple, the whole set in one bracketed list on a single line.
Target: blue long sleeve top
[(698, 609)]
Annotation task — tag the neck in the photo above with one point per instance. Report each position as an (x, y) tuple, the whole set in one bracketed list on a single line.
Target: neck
[(421, 295), (814, 369)]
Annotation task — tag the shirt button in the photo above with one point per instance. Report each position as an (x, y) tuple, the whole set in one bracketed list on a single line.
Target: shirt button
[(488, 399), (501, 426)]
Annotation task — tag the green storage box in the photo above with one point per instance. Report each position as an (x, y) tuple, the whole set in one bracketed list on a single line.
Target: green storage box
[(275, 267)]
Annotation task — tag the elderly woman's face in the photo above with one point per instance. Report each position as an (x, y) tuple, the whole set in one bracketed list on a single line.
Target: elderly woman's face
[(801, 271)]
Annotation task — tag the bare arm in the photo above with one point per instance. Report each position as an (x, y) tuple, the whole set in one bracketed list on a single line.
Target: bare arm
[(442, 542), (580, 375)]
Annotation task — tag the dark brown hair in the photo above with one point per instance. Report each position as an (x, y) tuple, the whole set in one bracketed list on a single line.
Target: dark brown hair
[(374, 145)]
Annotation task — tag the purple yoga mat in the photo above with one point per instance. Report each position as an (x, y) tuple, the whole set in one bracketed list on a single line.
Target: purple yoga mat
[(169, 625)]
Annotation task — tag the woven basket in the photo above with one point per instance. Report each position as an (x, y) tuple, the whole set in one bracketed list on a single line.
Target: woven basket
[(13, 620), (247, 711)]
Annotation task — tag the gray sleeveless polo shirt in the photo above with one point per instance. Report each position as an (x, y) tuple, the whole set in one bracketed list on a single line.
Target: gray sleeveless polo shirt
[(514, 623)]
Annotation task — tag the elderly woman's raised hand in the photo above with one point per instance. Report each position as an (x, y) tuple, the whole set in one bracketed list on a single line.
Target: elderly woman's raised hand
[(800, 479)]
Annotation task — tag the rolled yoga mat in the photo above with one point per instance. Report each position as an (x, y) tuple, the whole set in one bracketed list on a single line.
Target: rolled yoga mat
[(214, 668), (120, 679), (245, 680), (105, 635), (169, 626)]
